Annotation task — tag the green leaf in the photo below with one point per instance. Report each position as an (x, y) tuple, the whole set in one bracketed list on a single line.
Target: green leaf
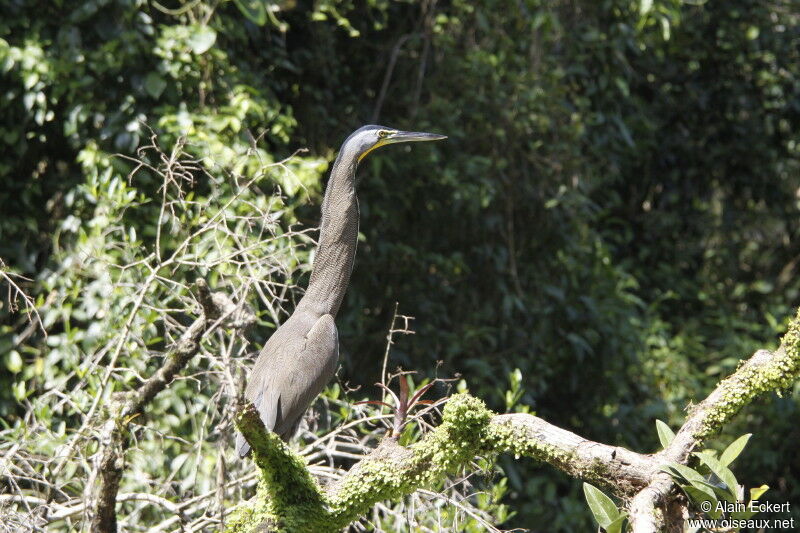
[(154, 84), (720, 470), (603, 508), (699, 496), (19, 390), (616, 525), (733, 451), (201, 39), (665, 434), (683, 471), (254, 10), (719, 489), (665, 28), (757, 492), (743, 515), (645, 6), (14, 361)]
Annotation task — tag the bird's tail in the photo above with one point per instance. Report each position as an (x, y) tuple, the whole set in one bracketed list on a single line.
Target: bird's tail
[(242, 446)]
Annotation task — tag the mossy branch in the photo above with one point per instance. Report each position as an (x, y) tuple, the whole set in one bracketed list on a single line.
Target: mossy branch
[(764, 372), (290, 499), (284, 475)]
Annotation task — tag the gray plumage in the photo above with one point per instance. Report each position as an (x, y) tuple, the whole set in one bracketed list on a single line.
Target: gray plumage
[(301, 357)]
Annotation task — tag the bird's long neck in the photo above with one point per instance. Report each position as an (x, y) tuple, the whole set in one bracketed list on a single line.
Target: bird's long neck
[(338, 238)]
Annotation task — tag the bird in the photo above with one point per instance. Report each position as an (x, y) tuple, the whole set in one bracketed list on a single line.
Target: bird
[(302, 355)]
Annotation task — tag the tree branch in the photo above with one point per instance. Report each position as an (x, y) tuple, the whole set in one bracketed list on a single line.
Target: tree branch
[(764, 372), (468, 429), (619, 469), (291, 500)]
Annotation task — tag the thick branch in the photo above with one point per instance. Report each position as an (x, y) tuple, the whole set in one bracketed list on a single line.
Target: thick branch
[(468, 429), (283, 472), (291, 500), (620, 469), (764, 372)]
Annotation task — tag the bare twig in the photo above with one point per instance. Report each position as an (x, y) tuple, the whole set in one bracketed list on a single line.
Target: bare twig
[(15, 293)]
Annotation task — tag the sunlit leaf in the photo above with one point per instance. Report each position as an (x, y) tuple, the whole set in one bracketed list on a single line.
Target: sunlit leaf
[(734, 449), (757, 492), (665, 434), (201, 39), (603, 508)]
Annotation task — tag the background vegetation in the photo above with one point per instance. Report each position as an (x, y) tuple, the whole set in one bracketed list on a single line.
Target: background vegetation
[(615, 213)]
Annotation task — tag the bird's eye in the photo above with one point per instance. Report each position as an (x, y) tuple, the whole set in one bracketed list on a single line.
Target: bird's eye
[(383, 133)]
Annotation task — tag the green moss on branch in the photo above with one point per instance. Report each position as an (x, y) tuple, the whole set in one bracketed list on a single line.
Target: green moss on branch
[(288, 495), (764, 372), (394, 471), (290, 500)]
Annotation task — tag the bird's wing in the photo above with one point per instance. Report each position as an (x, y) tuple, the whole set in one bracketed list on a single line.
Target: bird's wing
[(297, 369), (307, 375)]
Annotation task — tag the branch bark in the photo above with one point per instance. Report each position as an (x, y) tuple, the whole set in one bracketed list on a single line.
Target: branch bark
[(765, 371), (291, 500)]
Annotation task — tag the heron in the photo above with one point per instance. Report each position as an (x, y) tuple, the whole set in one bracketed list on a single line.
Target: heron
[(301, 356)]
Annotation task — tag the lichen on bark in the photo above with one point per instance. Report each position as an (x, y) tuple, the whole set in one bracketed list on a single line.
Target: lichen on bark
[(765, 372), (290, 500)]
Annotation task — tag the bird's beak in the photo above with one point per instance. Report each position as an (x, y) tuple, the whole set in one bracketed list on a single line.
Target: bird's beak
[(404, 137), (412, 136)]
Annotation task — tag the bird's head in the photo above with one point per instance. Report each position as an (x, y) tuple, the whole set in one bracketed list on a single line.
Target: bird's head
[(367, 138)]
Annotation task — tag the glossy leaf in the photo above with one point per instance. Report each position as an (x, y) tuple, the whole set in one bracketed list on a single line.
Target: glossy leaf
[(665, 434), (603, 508), (734, 449)]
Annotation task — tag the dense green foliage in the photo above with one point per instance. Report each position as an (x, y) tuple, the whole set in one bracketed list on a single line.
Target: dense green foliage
[(615, 212)]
